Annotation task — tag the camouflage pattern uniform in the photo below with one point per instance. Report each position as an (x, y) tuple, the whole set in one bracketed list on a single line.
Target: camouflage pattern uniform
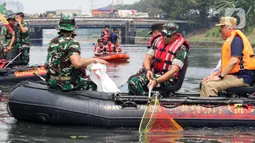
[(137, 84), (23, 43), (61, 74), (5, 39)]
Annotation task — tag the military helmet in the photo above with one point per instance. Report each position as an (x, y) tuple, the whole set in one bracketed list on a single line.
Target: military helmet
[(169, 29), (67, 23)]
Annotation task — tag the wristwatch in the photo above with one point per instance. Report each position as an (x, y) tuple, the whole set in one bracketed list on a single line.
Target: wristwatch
[(221, 77)]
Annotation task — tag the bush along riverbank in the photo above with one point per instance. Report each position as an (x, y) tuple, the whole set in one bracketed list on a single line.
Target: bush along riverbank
[(212, 38)]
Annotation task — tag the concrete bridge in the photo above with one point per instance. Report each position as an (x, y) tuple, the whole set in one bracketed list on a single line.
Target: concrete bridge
[(127, 26)]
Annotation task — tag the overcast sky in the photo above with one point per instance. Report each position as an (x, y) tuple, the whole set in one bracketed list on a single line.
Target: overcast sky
[(40, 6)]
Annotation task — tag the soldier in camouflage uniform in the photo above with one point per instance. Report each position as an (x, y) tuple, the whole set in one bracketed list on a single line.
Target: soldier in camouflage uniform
[(64, 63), (167, 62), (7, 38), (22, 38)]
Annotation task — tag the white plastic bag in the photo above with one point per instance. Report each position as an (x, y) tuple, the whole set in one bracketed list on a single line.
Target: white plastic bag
[(217, 67), (99, 76)]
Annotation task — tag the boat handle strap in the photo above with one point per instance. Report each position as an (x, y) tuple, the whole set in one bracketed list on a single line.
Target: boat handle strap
[(129, 104)]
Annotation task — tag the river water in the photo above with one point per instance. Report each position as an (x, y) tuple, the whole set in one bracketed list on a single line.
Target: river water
[(202, 61)]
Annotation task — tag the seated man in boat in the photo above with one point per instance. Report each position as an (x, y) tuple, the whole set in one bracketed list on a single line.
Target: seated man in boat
[(237, 61), (97, 44), (155, 32), (117, 47), (110, 48), (7, 38), (169, 52), (100, 49), (64, 61)]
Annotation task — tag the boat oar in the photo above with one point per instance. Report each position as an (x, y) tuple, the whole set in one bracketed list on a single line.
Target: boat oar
[(36, 74), (12, 60)]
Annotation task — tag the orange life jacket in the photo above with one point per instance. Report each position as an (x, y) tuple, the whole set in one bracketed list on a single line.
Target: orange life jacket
[(110, 48), (95, 47), (118, 49), (99, 49), (164, 55), (247, 61), (106, 36)]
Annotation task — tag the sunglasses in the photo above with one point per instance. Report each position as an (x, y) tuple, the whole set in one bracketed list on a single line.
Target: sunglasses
[(165, 35), (220, 30)]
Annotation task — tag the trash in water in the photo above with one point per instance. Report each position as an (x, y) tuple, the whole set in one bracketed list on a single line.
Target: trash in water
[(79, 137)]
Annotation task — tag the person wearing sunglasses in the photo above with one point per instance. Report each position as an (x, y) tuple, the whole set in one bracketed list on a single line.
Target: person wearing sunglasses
[(168, 55), (237, 61)]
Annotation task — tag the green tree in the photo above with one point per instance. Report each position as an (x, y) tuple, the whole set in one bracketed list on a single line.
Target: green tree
[(195, 10), (247, 5), (2, 8)]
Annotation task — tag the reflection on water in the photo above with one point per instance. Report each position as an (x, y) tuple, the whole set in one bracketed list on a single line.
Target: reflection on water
[(201, 62), (17, 132), (235, 135)]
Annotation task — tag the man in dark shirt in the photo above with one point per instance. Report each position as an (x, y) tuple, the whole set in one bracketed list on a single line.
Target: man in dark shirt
[(114, 36), (236, 61), (237, 51)]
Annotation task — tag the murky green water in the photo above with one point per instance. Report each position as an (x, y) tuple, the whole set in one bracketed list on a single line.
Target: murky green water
[(202, 61)]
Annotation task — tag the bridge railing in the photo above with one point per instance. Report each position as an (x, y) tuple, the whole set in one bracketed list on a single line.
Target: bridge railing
[(107, 19)]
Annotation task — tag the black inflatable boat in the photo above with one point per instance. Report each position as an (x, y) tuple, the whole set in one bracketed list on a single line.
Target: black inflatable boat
[(15, 75), (30, 101)]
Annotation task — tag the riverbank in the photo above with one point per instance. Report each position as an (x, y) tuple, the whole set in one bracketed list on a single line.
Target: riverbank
[(211, 38)]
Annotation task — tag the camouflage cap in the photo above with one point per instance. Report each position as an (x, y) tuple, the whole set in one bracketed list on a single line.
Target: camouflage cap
[(10, 17), (169, 28), (99, 40), (67, 23)]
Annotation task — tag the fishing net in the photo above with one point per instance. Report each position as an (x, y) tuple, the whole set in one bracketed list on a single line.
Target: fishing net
[(156, 119)]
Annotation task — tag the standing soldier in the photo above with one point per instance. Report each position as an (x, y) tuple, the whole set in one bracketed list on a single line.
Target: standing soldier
[(7, 38), (22, 38)]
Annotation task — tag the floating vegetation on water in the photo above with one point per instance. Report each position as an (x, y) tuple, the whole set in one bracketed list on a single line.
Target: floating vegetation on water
[(79, 137)]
